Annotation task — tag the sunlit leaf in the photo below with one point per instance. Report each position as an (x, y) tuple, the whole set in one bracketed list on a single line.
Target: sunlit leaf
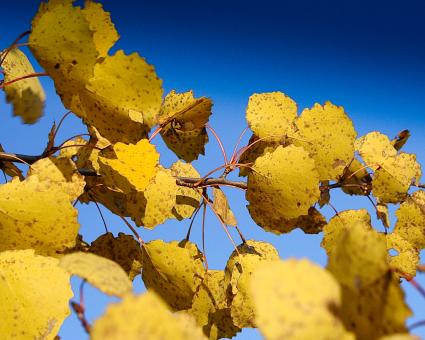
[(173, 270), (238, 271), (283, 185), (34, 295), (327, 133), (99, 271), (184, 112), (129, 167), (210, 308), (122, 99), (62, 173), (26, 95), (187, 199), (36, 214), (375, 148), (104, 32), (144, 317), (296, 299), (394, 178), (270, 114)]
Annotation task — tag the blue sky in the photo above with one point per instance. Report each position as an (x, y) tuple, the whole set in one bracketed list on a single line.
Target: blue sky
[(367, 56)]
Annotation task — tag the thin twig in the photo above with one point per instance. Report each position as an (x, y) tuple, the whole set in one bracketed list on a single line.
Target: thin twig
[(32, 75), (193, 182), (220, 144)]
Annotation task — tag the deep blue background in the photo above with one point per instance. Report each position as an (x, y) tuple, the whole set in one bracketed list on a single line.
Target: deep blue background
[(367, 56)]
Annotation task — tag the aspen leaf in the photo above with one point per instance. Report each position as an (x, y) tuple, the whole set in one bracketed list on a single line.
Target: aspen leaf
[(376, 310), (375, 148), (122, 99), (283, 185), (328, 135), (407, 257), (238, 271), (270, 114), (222, 208), (34, 292), (129, 167), (296, 299), (401, 139), (173, 270), (26, 95), (124, 250), (183, 112), (187, 199), (411, 221), (187, 145), (104, 32), (408, 236), (392, 181), (341, 222), (256, 150), (144, 317), (210, 309), (74, 65), (60, 172), (359, 257), (102, 273), (36, 214), (155, 205)]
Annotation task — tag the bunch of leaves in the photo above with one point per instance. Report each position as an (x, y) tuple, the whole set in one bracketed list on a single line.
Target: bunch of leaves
[(292, 162)]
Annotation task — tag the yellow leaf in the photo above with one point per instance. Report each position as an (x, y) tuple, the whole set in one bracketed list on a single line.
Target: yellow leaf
[(339, 224), (376, 310), (283, 185), (359, 257), (129, 167), (122, 99), (78, 54), (222, 208), (187, 199), (36, 214), (26, 95), (383, 214), (296, 299), (327, 133), (102, 273), (258, 149), (124, 250), (34, 295), (392, 181), (144, 317), (61, 173), (183, 112), (407, 257), (187, 145), (210, 307), (173, 270), (270, 114), (399, 337), (104, 32), (375, 148), (238, 278), (155, 205)]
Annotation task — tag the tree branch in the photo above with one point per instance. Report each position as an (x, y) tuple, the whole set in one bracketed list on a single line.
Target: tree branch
[(198, 182), (181, 181)]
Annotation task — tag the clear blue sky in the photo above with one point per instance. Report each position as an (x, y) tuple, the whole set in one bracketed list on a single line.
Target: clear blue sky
[(367, 56)]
